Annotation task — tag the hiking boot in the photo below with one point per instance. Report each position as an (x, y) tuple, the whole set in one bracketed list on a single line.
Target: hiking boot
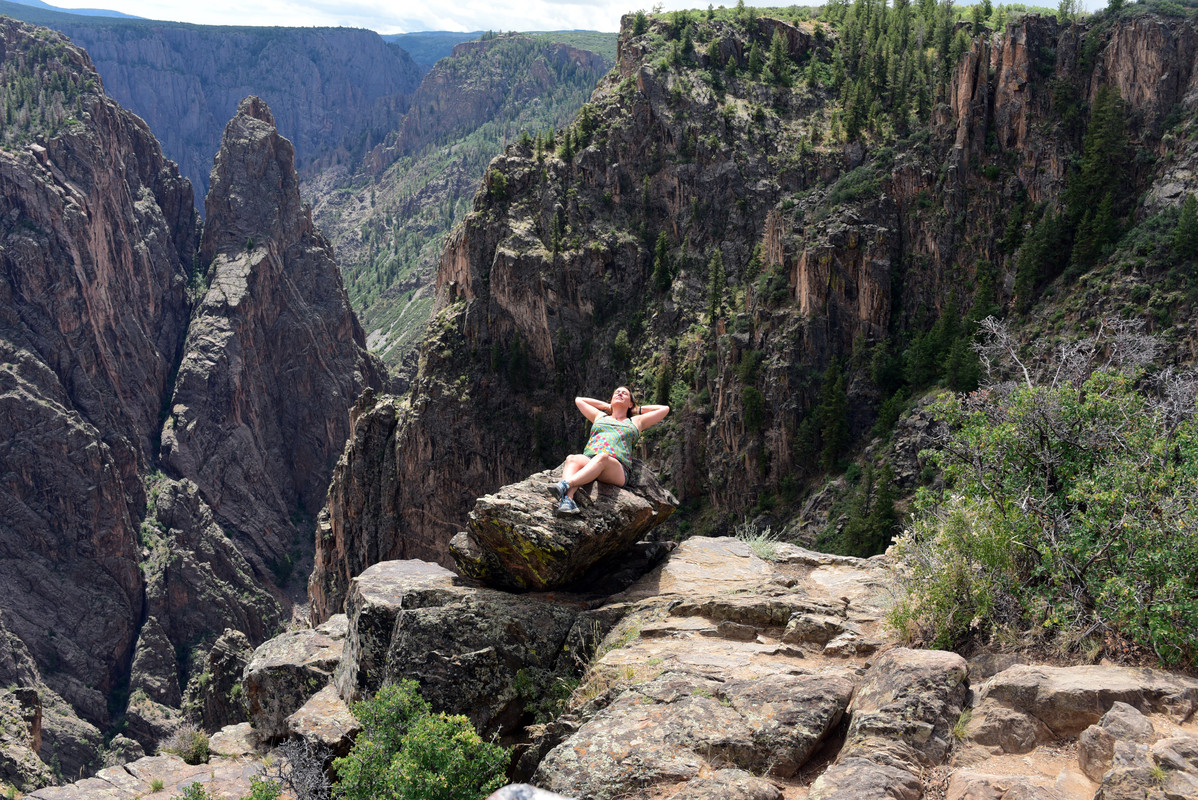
[(567, 508), (559, 489)]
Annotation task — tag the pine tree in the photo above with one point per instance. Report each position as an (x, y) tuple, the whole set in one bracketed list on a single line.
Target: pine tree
[(833, 416), (962, 371), (1104, 154), (661, 263), (1185, 235), (780, 60), (1037, 259), (883, 520), (753, 269), (715, 284), (754, 60), (977, 19), (715, 60)]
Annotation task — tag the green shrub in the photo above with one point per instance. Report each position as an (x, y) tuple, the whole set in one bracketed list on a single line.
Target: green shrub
[(188, 743), (261, 789), (754, 403), (1070, 511), (194, 791), (407, 753)]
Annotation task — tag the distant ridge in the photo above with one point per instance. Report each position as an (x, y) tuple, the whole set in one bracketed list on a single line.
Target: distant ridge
[(429, 47), (85, 12)]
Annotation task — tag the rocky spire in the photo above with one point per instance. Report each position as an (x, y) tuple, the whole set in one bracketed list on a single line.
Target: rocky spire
[(274, 356)]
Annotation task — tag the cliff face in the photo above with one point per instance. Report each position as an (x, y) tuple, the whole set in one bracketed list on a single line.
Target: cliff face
[(826, 248), (336, 91), (97, 233), (471, 86), (111, 572)]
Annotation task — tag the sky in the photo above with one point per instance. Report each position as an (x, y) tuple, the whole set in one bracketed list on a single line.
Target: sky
[(393, 16)]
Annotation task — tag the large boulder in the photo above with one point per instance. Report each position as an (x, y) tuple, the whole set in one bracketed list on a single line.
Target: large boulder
[(464, 645), (515, 541), (287, 670)]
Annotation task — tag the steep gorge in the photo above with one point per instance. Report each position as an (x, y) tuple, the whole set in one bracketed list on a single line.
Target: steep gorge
[(124, 553), (830, 251)]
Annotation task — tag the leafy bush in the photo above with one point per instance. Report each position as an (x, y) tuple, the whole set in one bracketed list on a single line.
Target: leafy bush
[(193, 791), (188, 743), (754, 403), (859, 184), (405, 752), (1070, 509)]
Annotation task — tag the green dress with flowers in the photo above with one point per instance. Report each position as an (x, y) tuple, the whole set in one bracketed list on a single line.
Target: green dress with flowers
[(615, 437)]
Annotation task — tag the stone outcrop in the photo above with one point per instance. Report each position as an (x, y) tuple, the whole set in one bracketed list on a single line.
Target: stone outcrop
[(326, 722), (514, 541), (216, 696), (698, 659), (21, 740), (287, 670), (1026, 706), (902, 720), (769, 725), (463, 645), (274, 356)]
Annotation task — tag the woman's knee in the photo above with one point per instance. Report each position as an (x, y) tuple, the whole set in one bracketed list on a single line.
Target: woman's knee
[(577, 460)]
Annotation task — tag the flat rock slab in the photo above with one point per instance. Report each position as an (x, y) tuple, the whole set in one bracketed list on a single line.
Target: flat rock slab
[(514, 540), (1064, 701), (463, 644), (233, 741), (680, 727), (224, 778), (285, 671), (702, 567)]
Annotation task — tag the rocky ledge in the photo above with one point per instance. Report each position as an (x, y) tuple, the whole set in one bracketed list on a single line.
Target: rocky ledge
[(718, 675), (515, 541)]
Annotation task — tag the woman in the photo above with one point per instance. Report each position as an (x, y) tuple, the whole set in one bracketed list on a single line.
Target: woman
[(608, 454)]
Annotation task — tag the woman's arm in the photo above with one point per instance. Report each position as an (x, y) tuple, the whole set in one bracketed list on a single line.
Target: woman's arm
[(592, 408), (648, 416)]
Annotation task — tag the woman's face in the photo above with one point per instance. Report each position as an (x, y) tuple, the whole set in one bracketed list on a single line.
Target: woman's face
[(622, 396)]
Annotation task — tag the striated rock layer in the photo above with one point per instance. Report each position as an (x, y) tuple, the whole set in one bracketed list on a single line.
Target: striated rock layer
[(97, 233)]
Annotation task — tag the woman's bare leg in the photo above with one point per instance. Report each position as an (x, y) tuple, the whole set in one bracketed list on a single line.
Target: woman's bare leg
[(580, 470)]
